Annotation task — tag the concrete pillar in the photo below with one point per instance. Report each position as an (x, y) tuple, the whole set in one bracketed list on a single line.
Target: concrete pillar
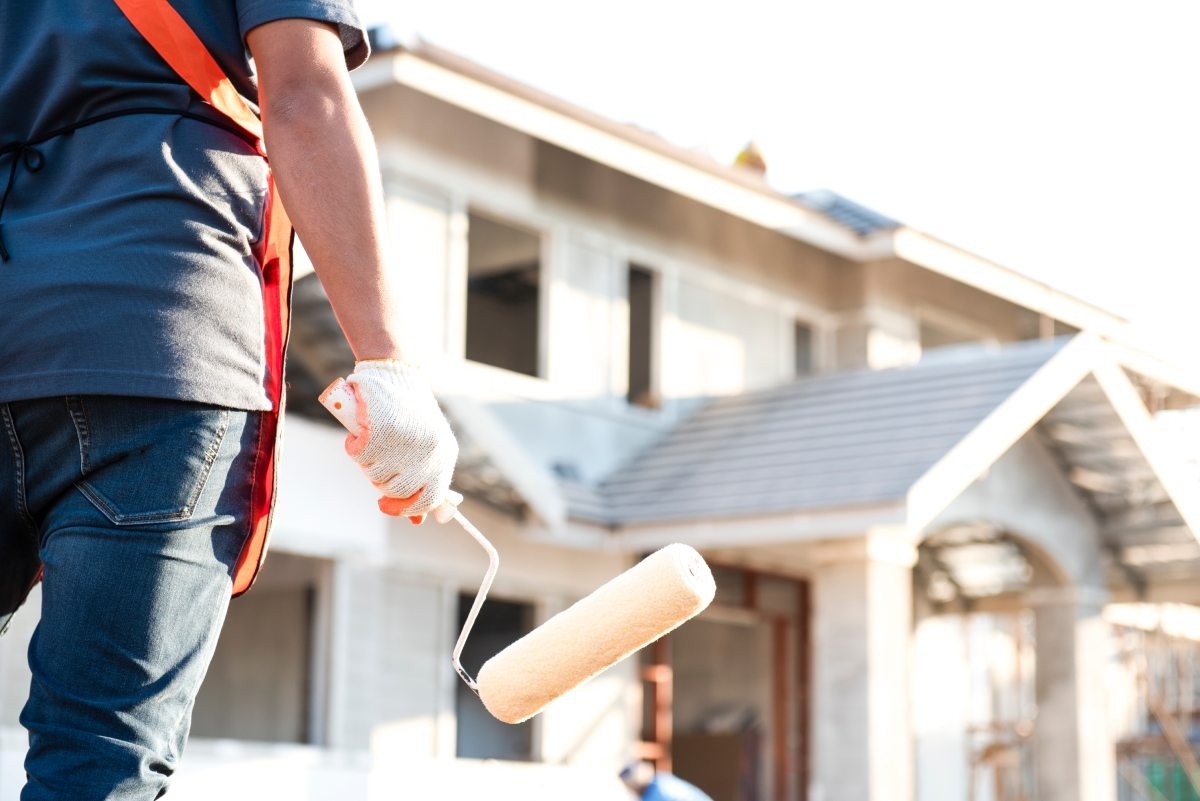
[(862, 631), (1074, 751)]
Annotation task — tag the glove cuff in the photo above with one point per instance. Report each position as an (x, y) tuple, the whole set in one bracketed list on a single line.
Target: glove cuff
[(393, 372)]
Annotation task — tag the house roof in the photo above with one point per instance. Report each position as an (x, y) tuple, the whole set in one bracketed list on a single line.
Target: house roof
[(855, 216), (855, 438), (899, 446)]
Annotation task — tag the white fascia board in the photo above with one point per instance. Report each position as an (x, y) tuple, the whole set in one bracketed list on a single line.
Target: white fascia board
[(763, 208), (1000, 430), (945, 259), (761, 530), (1133, 413)]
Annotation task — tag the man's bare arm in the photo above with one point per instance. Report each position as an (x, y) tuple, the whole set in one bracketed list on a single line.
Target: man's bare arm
[(325, 164), (324, 161)]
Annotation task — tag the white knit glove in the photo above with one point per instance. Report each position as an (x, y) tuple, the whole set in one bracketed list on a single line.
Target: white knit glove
[(404, 443)]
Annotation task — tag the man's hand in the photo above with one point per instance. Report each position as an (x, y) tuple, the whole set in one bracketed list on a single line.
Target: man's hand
[(404, 443)]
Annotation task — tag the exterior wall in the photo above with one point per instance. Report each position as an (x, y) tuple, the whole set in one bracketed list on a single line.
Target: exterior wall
[(246, 772), (940, 300), (14, 688), (423, 225), (889, 310), (14, 670), (393, 616), (721, 345), (730, 292), (392, 684), (626, 208), (877, 337)]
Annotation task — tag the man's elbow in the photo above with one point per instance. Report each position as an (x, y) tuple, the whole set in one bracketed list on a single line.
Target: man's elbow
[(303, 106), (302, 72)]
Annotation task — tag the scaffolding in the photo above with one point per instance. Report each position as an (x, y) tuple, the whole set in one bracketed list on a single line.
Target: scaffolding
[(1160, 730), (999, 739)]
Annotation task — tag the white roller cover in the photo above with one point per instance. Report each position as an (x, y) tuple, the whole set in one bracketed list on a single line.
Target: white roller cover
[(631, 611)]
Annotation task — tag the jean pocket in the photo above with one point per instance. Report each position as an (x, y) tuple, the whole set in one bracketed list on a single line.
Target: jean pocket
[(145, 461)]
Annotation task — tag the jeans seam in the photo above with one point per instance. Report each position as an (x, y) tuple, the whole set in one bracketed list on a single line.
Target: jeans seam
[(210, 456), (19, 462), (82, 432)]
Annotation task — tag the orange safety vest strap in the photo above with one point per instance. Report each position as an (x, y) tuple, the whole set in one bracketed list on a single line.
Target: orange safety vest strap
[(177, 43), (277, 297), (174, 40)]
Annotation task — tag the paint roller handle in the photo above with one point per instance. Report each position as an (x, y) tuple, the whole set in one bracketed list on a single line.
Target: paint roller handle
[(339, 400)]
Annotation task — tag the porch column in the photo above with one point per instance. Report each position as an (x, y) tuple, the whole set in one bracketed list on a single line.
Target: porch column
[(1074, 751), (862, 630)]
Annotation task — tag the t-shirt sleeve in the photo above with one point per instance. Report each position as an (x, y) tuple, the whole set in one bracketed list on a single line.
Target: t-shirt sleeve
[(252, 13)]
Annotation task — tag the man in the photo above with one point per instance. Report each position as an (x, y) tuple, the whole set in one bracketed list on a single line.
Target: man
[(135, 343), (641, 778)]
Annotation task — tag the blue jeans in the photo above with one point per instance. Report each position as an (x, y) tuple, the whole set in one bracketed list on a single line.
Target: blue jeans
[(138, 509)]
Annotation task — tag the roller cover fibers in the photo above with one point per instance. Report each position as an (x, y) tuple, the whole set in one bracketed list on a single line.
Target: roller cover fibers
[(629, 612)]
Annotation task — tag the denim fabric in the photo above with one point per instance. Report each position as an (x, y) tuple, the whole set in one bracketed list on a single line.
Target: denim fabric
[(139, 508)]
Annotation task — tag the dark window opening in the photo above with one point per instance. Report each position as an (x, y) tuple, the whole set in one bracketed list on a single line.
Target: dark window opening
[(503, 277), (481, 736), (641, 338), (802, 337)]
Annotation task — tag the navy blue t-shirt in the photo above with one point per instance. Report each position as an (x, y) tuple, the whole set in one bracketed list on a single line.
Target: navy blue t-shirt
[(132, 242)]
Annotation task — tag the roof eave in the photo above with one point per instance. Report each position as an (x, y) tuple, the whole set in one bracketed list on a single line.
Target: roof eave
[(935, 255), (761, 529), (999, 431), (1085, 355), (629, 150), (618, 146)]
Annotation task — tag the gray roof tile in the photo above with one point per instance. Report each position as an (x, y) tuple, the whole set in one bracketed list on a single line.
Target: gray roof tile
[(843, 211), (861, 437)]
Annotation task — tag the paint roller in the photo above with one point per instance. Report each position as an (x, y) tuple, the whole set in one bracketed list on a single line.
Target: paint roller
[(652, 598)]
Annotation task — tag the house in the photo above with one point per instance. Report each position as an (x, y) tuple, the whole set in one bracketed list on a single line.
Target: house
[(924, 482)]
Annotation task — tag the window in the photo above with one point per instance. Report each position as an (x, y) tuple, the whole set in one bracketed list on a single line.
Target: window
[(503, 277), (802, 337), (642, 338), (481, 736)]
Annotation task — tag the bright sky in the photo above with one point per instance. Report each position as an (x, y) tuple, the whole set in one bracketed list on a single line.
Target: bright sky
[(1060, 138)]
